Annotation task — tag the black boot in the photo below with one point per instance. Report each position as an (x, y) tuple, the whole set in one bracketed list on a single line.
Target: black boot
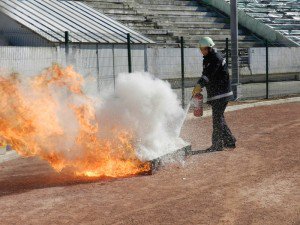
[(229, 145)]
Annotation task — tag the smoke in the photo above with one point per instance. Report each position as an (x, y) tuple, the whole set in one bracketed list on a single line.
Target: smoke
[(150, 109), (57, 116)]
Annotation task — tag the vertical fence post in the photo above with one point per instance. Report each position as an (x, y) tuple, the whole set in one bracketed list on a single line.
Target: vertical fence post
[(146, 58), (234, 48), (98, 68), (267, 69), (114, 66), (227, 53), (182, 72), (67, 46), (129, 53)]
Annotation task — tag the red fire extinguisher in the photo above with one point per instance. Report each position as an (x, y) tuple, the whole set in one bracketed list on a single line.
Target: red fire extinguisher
[(198, 105)]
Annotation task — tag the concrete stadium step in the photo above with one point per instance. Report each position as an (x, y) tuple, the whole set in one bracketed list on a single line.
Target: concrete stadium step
[(175, 8), (197, 25), (167, 41), (127, 17), (221, 37), (285, 21), (119, 11), (291, 32), (153, 31), (104, 1), (204, 31), (107, 5), (142, 25), (111, 3), (182, 13), (242, 44), (164, 37), (286, 26), (175, 19), (167, 2)]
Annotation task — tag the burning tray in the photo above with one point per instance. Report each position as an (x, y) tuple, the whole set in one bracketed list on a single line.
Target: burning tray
[(178, 154)]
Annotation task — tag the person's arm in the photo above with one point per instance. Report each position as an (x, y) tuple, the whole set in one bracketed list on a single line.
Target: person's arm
[(209, 72), (203, 81)]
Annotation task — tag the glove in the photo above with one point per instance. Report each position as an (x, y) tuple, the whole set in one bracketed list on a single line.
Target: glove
[(197, 89)]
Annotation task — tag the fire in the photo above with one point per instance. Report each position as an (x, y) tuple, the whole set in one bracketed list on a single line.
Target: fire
[(51, 117)]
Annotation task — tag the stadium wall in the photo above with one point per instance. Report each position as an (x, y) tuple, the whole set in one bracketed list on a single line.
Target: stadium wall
[(105, 62), (281, 60)]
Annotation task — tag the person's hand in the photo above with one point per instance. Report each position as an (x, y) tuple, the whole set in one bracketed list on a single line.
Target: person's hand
[(197, 89)]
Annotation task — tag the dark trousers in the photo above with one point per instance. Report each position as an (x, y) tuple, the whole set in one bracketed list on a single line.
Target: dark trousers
[(221, 132)]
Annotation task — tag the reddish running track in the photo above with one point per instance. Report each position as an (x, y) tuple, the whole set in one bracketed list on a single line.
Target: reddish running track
[(257, 183)]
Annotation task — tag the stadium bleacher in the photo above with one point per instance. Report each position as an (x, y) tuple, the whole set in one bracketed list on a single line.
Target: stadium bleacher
[(165, 21), (282, 15)]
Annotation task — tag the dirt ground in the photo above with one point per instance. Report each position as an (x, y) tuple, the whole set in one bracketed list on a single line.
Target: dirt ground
[(257, 183)]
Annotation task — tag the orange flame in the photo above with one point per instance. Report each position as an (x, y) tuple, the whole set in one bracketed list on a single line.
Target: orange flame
[(30, 121)]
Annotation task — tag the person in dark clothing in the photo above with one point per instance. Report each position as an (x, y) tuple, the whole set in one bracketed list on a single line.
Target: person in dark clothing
[(216, 79)]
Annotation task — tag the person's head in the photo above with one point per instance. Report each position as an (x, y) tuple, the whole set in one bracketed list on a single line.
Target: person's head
[(205, 45), (205, 50)]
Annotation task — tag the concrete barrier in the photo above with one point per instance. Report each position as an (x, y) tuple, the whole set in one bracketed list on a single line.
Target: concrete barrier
[(2, 150)]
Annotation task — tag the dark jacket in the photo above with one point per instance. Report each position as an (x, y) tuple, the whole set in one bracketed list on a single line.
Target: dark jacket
[(215, 78)]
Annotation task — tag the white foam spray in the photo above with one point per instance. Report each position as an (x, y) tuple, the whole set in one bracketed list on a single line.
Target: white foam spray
[(149, 108), (186, 111)]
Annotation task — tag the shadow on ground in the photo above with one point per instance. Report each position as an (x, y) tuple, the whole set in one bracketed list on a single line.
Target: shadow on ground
[(33, 173)]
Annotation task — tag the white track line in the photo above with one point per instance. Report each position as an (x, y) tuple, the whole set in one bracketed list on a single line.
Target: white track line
[(10, 155), (208, 113)]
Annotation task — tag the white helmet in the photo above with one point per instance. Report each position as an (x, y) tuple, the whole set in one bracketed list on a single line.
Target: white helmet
[(206, 42)]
